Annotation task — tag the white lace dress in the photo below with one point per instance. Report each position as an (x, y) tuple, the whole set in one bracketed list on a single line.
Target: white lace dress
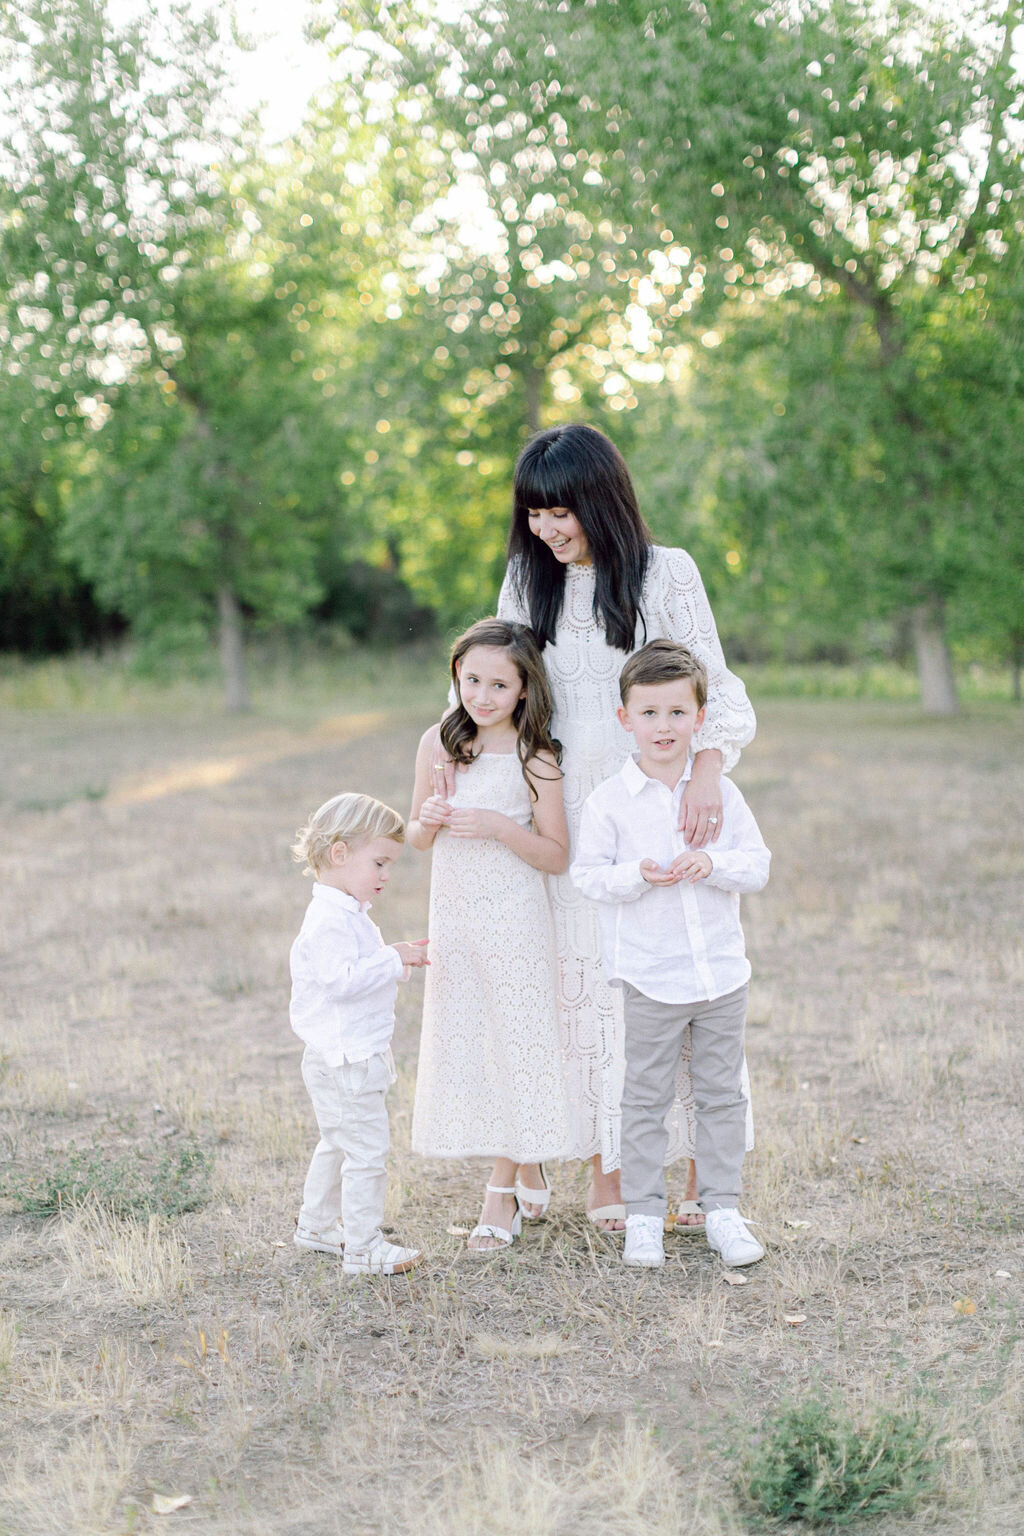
[(583, 671), (490, 1080)]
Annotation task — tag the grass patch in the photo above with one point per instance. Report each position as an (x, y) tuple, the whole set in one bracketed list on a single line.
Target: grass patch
[(158, 1181), (866, 680), (813, 1463), (288, 676)]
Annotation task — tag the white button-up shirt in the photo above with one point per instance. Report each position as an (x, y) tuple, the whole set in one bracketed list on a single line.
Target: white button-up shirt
[(344, 980), (676, 943)]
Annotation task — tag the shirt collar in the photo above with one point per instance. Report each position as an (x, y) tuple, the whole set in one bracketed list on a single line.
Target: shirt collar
[(330, 893), (635, 779)]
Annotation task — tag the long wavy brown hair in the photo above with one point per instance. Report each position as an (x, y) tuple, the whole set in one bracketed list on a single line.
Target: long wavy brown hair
[(532, 714)]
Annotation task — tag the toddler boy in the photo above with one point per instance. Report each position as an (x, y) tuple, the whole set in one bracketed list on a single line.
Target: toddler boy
[(672, 940), (344, 985)]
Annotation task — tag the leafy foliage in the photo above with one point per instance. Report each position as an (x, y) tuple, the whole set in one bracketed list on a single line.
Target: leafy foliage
[(775, 251), (814, 1464), (838, 189), (158, 1181)]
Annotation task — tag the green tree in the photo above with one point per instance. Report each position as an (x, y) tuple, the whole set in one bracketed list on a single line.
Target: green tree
[(864, 167), (513, 296), (182, 287)]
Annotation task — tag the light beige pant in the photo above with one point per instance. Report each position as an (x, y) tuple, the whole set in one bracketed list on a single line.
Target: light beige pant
[(654, 1037), (347, 1176)]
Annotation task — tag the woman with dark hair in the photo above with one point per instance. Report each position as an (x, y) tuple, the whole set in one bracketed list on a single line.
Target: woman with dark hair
[(584, 573)]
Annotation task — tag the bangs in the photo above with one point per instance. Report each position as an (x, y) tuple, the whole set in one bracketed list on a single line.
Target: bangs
[(546, 479)]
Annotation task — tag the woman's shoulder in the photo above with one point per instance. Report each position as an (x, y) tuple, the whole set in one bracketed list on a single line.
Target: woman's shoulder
[(672, 576), (670, 563)]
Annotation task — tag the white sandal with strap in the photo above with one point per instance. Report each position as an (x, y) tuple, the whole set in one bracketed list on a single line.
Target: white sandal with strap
[(505, 1237), (527, 1195)]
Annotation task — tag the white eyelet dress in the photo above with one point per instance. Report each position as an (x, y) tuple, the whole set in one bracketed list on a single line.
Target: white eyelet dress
[(583, 672), (490, 1081)]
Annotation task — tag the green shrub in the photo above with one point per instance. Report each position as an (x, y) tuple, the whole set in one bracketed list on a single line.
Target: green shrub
[(813, 1462), (159, 1181)]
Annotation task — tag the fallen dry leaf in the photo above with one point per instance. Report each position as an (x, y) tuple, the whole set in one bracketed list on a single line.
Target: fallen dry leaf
[(860, 1140), (789, 1223), (965, 1306), (166, 1504), (793, 1318), (458, 1231), (1003, 1274), (732, 1278)]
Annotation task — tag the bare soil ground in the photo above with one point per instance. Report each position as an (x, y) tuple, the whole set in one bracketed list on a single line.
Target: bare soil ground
[(147, 904)]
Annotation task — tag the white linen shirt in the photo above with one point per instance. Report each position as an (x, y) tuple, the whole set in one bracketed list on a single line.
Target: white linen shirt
[(344, 980), (675, 943)]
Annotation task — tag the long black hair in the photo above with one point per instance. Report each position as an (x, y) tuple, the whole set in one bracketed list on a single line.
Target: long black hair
[(532, 714), (578, 468)]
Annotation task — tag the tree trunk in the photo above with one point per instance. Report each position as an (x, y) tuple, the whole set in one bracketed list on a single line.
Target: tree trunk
[(1017, 662), (232, 652), (533, 379), (934, 663)]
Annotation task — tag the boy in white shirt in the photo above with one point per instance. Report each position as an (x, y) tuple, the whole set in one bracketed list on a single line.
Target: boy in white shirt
[(672, 940), (344, 985)]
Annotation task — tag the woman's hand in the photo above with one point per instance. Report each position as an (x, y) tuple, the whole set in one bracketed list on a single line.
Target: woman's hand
[(442, 775), (700, 814)]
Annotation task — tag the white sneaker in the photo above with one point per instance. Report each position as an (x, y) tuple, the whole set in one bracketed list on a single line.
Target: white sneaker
[(381, 1258), (644, 1247), (330, 1240), (730, 1237)]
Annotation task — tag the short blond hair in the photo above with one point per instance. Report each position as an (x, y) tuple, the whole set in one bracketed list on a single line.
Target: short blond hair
[(348, 818)]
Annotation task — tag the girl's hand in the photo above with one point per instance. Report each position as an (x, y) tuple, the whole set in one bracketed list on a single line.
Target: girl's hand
[(473, 822), (435, 812), (413, 952), (700, 813), (691, 866)]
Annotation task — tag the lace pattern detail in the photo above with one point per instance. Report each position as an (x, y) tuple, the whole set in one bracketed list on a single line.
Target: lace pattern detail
[(583, 671), (490, 1081)]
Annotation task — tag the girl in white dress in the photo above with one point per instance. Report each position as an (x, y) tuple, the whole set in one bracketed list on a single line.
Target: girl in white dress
[(490, 1081), (584, 573)]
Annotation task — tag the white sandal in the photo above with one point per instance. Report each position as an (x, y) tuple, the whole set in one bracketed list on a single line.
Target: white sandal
[(505, 1236), (600, 1213), (527, 1195)]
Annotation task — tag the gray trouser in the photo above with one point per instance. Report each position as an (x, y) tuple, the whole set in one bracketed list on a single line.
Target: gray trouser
[(654, 1037)]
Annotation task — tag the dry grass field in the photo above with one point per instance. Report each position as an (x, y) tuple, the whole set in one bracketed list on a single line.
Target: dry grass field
[(147, 904)]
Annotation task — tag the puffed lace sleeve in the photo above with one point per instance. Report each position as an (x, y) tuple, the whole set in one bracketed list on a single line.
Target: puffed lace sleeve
[(676, 607), (511, 605)]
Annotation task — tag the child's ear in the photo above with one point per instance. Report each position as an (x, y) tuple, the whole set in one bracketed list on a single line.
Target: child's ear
[(623, 718), (337, 855), (700, 717)]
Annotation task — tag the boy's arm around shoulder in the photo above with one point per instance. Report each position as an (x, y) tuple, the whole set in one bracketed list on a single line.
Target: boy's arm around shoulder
[(595, 870), (739, 860)]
